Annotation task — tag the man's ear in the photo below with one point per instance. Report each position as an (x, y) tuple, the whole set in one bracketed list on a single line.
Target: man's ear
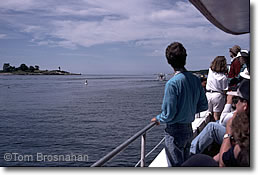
[(246, 106)]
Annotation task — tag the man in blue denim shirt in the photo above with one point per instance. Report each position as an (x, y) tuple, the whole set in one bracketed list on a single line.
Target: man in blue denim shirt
[(184, 97)]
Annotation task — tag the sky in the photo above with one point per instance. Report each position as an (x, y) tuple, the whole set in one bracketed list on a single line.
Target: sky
[(108, 36)]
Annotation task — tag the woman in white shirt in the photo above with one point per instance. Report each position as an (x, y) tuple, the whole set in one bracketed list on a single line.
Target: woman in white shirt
[(217, 84)]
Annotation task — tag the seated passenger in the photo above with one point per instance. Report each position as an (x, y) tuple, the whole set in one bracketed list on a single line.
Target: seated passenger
[(229, 108), (238, 155), (214, 131), (235, 151), (231, 154), (239, 152)]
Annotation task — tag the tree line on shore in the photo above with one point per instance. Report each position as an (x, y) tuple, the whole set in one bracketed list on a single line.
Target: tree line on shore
[(23, 67)]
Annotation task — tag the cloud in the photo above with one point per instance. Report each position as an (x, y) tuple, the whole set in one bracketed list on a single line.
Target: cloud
[(87, 23), (17, 4), (128, 21), (2, 36), (31, 29)]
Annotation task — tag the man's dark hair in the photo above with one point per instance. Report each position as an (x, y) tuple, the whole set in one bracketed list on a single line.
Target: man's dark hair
[(176, 55)]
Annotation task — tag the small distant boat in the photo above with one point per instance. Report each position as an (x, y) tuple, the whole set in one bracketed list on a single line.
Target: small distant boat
[(161, 77)]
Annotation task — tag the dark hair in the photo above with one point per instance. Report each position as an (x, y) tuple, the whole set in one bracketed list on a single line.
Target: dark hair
[(241, 134), (219, 65), (176, 55)]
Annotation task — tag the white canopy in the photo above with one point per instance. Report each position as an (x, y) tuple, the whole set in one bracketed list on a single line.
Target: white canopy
[(231, 16)]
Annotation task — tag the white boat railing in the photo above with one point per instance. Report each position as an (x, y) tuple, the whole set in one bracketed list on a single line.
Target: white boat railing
[(161, 141), (142, 133)]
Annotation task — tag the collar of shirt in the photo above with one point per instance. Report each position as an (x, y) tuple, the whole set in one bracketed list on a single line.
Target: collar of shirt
[(180, 71), (232, 59)]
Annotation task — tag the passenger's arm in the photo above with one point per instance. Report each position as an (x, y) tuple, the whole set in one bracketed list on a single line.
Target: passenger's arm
[(202, 103), (169, 105), (227, 109), (226, 144)]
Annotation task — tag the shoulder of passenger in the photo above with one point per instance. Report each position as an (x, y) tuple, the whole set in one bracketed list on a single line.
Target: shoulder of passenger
[(173, 83)]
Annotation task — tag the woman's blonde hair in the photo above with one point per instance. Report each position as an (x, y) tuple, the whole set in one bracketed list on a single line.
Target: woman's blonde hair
[(219, 65)]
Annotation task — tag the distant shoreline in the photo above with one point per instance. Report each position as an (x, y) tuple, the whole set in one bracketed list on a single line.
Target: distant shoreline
[(53, 72)]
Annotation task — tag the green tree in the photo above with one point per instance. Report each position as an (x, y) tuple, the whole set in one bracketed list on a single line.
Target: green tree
[(31, 68), (6, 67), (24, 67), (12, 68), (36, 67)]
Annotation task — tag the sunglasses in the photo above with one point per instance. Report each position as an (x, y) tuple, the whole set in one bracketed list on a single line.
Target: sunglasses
[(236, 99)]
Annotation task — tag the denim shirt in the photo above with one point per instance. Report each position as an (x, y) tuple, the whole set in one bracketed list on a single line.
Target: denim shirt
[(184, 97)]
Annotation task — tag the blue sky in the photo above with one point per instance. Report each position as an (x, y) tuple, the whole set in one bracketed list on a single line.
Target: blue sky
[(108, 36)]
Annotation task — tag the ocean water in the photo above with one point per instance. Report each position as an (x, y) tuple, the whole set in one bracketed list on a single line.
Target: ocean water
[(60, 121)]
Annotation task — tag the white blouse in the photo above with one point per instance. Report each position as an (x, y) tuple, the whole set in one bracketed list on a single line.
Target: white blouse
[(216, 81)]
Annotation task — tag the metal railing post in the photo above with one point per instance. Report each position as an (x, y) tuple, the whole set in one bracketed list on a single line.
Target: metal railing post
[(143, 145)]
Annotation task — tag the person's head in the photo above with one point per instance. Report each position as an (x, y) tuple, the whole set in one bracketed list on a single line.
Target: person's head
[(243, 93), (244, 57), (176, 55), (241, 129), (234, 51), (241, 135), (219, 64)]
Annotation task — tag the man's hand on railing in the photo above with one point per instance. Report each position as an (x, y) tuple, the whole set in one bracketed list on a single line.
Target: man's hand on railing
[(155, 120)]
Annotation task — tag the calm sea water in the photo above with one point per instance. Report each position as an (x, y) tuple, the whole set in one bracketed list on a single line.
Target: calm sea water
[(61, 116)]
